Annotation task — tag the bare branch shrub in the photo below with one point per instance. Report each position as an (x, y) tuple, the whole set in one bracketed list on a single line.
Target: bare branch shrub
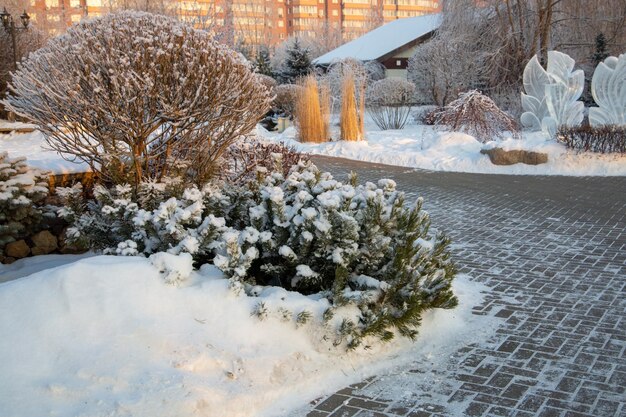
[(389, 102), (285, 100), (137, 96), (243, 159), (268, 82), (477, 115), (605, 139), (310, 112)]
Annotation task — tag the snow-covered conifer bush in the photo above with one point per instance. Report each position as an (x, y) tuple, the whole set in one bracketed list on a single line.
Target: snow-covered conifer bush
[(389, 102), (22, 191), (134, 94), (159, 217), (476, 115), (358, 246), (354, 244), (297, 62)]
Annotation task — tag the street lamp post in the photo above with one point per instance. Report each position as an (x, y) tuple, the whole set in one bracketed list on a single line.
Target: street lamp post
[(9, 26)]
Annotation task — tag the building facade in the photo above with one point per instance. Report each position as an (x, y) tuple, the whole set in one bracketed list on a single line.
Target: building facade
[(249, 22)]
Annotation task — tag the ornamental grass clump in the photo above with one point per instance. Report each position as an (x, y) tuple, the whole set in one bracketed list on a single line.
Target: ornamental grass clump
[(312, 111), (139, 97)]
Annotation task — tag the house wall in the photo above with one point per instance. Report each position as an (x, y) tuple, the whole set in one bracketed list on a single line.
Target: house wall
[(396, 66)]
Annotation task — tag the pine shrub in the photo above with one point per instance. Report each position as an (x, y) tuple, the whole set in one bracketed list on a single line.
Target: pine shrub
[(604, 139), (358, 246), (355, 245), (22, 193)]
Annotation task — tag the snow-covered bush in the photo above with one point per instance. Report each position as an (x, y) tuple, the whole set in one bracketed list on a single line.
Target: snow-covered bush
[(355, 245), (602, 139), (22, 192), (160, 217), (268, 82), (477, 115), (358, 246), (245, 158), (137, 96), (285, 100), (389, 102)]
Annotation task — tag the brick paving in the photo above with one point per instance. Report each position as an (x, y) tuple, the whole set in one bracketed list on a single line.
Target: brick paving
[(552, 250)]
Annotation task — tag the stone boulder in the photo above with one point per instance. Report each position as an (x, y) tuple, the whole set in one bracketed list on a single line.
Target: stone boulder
[(44, 243), (18, 249), (499, 156)]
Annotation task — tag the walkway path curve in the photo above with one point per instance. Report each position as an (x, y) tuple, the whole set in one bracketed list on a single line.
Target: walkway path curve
[(553, 252)]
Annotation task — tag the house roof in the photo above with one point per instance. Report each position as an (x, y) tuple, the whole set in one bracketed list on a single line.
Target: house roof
[(383, 40)]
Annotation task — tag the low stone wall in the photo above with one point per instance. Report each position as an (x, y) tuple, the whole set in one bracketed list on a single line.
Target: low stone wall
[(51, 236)]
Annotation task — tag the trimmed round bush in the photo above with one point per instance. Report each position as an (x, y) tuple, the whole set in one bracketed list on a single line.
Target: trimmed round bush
[(139, 96)]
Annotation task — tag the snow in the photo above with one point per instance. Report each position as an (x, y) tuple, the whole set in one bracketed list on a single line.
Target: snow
[(415, 146), (107, 336), (435, 149), (32, 146), (383, 40)]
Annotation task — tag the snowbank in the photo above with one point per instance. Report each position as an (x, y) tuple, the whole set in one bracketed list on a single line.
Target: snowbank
[(32, 146), (426, 147), (415, 146), (106, 336)]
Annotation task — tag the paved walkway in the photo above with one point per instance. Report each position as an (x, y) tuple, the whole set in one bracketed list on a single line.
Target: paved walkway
[(553, 252)]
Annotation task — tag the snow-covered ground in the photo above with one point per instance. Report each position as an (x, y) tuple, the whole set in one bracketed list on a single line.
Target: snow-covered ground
[(33, 146), (415, 146), (107, 336), (427, 147)]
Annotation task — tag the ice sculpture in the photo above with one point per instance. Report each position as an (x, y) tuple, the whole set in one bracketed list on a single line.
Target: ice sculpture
[(608, 87), (551, 98)]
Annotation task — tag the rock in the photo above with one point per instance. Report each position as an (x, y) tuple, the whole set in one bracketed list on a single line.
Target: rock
[(499, 156), (44, 242), (7, 260), (18, 249)]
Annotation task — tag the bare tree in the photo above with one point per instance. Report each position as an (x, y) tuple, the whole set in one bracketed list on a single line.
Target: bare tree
[(26, 41), (137, 96), (486, 44)]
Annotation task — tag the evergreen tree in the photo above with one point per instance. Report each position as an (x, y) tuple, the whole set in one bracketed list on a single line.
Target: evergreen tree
[(262, 62), (298, 63), (601, 52)]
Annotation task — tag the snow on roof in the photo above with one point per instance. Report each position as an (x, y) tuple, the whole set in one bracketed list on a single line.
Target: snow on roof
[(384, 39)]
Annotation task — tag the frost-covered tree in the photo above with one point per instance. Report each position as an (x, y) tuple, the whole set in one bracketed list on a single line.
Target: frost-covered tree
[(262, 62), (22, 191), (297, 63), (139, 96), (26, 41)]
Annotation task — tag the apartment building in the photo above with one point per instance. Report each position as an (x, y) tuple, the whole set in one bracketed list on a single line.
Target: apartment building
[(249, 22)]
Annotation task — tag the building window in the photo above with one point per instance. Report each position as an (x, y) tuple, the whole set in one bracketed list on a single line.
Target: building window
[(280, 24), (335, 13)]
